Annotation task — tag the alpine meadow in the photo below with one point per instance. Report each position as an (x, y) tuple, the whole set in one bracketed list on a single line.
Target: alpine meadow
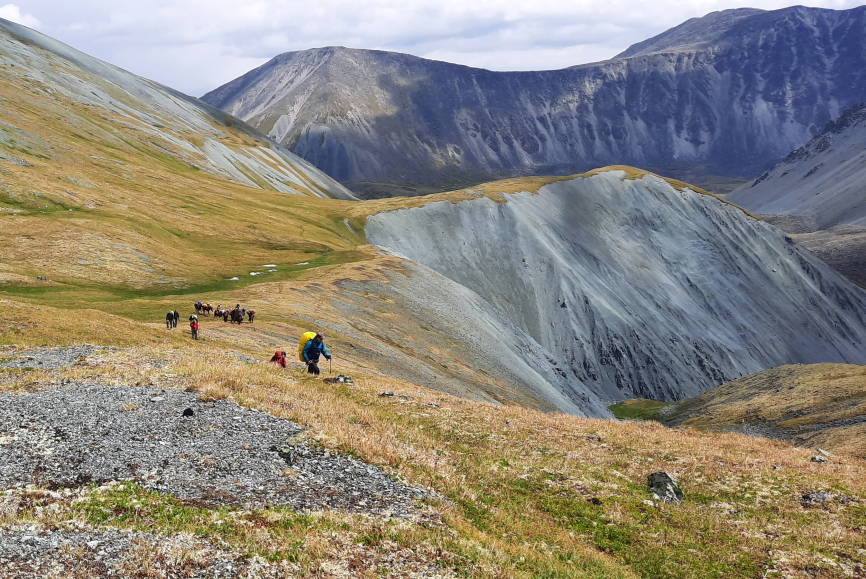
[(528, 346)]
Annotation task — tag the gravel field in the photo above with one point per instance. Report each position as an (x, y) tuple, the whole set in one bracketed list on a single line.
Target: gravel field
[(31, 553), (220, 454), (47, 358)]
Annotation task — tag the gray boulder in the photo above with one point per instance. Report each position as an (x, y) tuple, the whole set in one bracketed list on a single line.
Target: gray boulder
[(664, 488)]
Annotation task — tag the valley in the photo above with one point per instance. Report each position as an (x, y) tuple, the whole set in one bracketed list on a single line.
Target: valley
[(486, 331)]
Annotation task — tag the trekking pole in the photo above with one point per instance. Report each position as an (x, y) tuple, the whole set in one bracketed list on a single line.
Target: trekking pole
[(329, 364)]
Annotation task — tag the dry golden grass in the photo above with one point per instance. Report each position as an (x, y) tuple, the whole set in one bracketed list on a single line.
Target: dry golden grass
[(818, 405), (529, 494)]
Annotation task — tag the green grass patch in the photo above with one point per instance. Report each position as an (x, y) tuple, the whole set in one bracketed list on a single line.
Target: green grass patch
[(641, 409)]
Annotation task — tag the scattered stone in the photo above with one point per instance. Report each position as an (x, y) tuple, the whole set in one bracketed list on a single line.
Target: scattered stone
[(49, 358), (188, 412), (434, 405), (339, 380), (824, 452), (818, 458), (221, 455), (815, 498), (594, 438), (663, 488), (392, 395), (53, 551)]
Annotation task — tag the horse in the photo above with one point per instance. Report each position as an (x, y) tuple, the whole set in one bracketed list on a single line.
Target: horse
[(237, 316), (207, 309), (226, 314), (199, 307)]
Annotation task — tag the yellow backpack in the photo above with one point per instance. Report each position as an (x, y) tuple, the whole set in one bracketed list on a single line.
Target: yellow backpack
[(306, 337)]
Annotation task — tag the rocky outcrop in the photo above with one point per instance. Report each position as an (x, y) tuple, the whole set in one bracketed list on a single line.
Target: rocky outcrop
[(734, 91), (609, 289)]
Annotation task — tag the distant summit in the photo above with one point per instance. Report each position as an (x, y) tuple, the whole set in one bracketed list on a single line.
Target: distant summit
[(730, 93)]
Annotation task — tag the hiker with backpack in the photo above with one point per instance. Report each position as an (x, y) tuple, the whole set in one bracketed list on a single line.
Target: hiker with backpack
[(279, 358), (311, 351), (176, 319), (193, 328), (169, 320)]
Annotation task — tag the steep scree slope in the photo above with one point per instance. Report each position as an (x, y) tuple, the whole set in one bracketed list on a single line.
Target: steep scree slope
[(817, 192), (122, 112), (734, 91), (632, 288), (819, 185)]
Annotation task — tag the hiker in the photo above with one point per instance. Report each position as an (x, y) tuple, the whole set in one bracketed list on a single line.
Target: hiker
[(279, 358), (312, 351), (176, 319), (169, 320), (193, 327), (251, 314)]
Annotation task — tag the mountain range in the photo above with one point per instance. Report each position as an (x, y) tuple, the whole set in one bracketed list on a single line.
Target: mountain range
[(727, 94)]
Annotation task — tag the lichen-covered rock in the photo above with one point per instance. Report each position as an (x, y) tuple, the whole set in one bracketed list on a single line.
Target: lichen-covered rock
[(664, 488)]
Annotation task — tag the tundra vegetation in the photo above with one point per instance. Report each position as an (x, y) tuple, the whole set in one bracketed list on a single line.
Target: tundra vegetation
[(104, 228)]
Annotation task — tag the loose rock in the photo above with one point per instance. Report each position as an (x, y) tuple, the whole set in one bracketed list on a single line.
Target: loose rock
[(663, 488), (221, 454)]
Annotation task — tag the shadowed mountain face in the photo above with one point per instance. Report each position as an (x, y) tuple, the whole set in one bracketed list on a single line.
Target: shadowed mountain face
[(817, 191), (734, 92), (632, 288)]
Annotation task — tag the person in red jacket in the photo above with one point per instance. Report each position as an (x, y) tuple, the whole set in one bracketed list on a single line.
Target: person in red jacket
[(279, 358), (193, 327)]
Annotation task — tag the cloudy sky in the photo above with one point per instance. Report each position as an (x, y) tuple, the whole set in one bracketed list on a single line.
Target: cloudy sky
[(197, 45)]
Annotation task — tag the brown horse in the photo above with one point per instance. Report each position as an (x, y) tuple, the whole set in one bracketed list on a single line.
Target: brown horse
[(207, 309)]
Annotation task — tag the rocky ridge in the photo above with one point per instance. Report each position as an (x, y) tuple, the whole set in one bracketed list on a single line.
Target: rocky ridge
[(734, 92), (576, 275)]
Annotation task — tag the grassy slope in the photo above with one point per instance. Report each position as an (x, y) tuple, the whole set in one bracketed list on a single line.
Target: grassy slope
[(817, 405), (528, 493), (124, 232)]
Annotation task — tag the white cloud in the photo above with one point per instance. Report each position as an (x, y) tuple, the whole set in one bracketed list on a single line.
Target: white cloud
[(196, 45), (13, 12)]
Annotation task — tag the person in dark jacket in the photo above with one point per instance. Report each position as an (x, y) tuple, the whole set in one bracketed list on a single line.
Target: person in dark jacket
[(315, 348), (176, 319), (169, 320)]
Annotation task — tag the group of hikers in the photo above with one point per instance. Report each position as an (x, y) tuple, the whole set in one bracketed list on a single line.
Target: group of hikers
[(237, 316), (311, 346)]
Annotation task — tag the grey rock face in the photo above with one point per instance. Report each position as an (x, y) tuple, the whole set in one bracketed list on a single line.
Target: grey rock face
[(819, 185), (663, 488), (734, 91), (817, 192), (667, 293)]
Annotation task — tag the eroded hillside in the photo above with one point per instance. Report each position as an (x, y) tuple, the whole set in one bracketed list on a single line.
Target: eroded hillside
[(635, 288)]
